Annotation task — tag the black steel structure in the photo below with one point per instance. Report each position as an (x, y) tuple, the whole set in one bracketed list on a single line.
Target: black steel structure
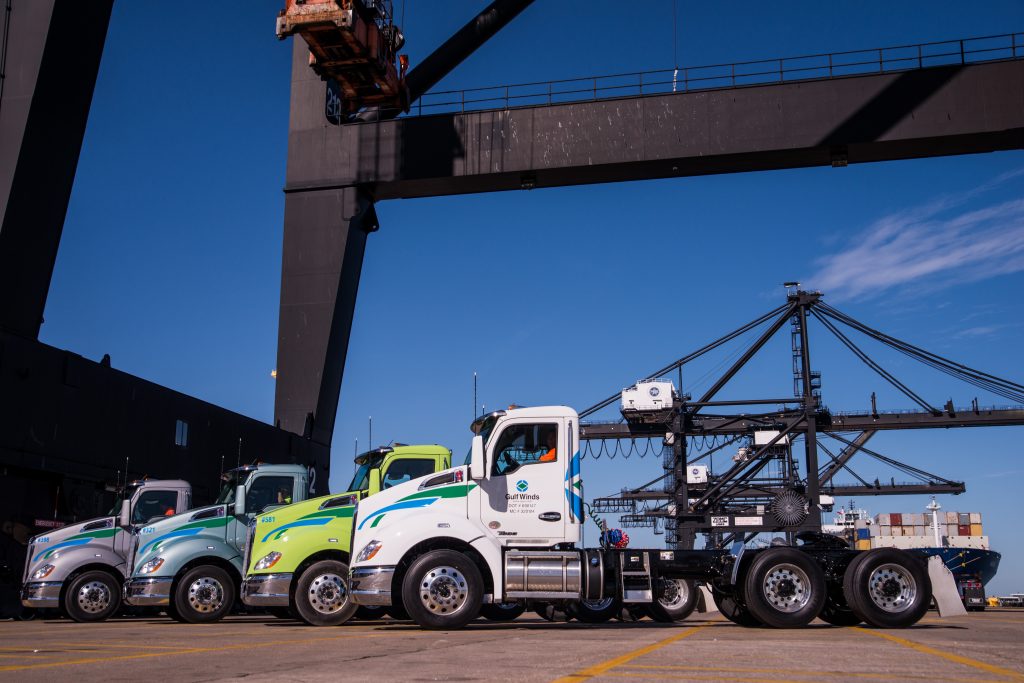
[(765, 488), (71, 428)]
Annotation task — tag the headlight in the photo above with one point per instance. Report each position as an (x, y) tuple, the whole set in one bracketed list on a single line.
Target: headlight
[(268, 561), (151, 566), (368, 551), (43, 571)]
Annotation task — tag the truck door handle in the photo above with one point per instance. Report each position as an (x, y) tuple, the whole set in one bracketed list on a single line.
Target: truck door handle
[(550, 516)]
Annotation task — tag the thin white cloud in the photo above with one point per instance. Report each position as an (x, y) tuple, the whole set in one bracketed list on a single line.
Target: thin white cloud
[(935, 246)]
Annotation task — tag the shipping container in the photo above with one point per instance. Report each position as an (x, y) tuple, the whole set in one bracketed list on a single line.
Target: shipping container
[(863, 544), (952, 529), (883, 530), (964, 518), (975, 517), (863, 534), (951, 518), (896, 519), (975, 529), (964, 530), (883, 519)]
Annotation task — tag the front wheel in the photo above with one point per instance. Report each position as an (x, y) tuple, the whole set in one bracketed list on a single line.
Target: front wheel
[(677, 598), (443, 589), (595, 611), (205, 594), (888, 588), (784, 588), (92, 596), (502, 611), (321, 595)]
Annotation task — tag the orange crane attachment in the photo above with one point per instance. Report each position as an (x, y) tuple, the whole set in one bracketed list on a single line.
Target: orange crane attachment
[(355, 43)]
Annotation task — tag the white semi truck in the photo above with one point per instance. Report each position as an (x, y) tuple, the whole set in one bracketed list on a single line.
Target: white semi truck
[(505, 528)]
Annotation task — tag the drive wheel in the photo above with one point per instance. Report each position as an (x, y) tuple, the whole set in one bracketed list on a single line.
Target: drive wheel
[(371, 612), (784, 588), (595, 611), (92, 596), (205, 594), (888, 588), (321, 595), (502, 611), (733, 609), (443, 589), (837, 612), (677, 598)]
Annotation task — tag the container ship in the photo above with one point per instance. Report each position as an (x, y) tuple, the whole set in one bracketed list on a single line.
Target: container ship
[(956, 537)]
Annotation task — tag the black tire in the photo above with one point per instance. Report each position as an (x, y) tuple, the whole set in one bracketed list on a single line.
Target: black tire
[(553, 611), (632, 613), (371, 612), (502, 611), (677, 598), (888, 588), (837, 612), (732, 608), (784, 588), (204, 595), (595, 611), (92, 596), (322, 596), (443, 589)]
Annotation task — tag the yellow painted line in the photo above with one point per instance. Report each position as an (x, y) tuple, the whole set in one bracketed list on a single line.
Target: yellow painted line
[(601, 668), (692, 677), (949, 656), (886, 676), (188, 651)]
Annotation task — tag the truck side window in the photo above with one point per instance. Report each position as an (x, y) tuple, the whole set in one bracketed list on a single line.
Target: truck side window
[(525, 444), (406, 470), (267, 491), (154, 504)]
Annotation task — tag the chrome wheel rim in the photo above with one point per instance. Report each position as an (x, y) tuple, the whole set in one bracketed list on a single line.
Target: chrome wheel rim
[(328, 593), (443, 590), (674, 592), (787, 588), (597, 605), (206, 595), (892, 588), (94, 597)]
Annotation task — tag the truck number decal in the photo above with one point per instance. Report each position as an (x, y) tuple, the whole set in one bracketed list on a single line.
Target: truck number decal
[(267, 520), (312, 482), (147, 530)]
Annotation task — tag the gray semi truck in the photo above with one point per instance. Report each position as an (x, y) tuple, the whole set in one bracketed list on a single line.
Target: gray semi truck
[(80, 568)]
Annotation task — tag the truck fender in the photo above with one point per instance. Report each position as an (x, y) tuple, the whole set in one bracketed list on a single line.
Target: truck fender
[(189, 553), (72, 560)]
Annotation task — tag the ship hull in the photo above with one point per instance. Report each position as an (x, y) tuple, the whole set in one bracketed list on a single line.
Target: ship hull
[(966, 563)]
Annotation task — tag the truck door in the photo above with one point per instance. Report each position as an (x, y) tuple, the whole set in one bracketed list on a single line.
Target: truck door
[(522, 499)]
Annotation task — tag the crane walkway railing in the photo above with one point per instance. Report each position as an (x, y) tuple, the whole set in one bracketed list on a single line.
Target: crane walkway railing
[(1009, 46)]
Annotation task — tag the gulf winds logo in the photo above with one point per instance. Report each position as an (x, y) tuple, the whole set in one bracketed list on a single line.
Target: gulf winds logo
[(522, 486)]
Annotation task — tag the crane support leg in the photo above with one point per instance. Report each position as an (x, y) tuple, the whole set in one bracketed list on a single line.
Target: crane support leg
[(324, 242)]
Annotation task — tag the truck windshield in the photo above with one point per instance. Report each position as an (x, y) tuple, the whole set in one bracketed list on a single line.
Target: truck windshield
[(127, 494), (486, 427), (230, 480), (361, 480)]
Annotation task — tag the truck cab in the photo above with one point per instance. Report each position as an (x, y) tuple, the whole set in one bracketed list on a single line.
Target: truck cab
[(298, 555), (80, 568), (191, 564)]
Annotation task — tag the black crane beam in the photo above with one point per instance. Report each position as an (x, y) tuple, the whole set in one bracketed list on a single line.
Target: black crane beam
[(936, 111), (852, 490)]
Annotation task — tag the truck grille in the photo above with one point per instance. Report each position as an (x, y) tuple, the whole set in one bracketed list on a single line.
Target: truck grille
[(248, 547)]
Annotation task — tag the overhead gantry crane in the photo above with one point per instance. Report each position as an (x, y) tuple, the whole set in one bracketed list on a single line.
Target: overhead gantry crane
[(764, 487)]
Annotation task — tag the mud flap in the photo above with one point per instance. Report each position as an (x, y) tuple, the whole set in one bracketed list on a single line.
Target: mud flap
[(947, 597), (705, 603)]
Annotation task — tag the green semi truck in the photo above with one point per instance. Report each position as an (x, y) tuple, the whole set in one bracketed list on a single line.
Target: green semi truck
[(298, 556)]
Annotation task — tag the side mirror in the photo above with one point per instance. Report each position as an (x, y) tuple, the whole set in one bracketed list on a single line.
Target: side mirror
[(125, 517), (477, 466), (240, 500), (374, 485)]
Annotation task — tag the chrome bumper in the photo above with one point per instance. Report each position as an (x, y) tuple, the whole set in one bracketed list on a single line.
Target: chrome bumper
[(266, 590), (148, 592), (371, 585), (41, 594)]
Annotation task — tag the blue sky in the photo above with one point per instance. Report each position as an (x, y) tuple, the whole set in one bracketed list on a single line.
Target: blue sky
[(170, 259)]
